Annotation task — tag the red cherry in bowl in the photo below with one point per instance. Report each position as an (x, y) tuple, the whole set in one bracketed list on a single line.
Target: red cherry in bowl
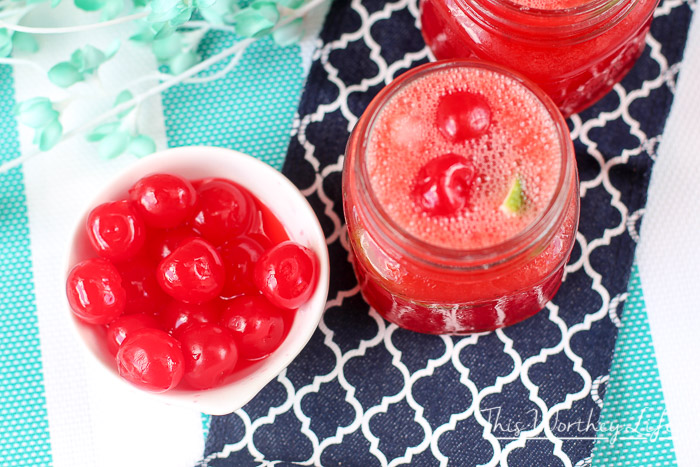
[(160, 243), (240, 256), (122, 327), (224, 211), (256, 324), (163, 200), (287, 274), (210, 355), (116, 231), (463, 115), (177, 315), (193, 273), (95, 292), (143, 294), (151, 359)]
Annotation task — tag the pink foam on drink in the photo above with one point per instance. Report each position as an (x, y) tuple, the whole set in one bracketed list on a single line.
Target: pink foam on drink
[(521, 142)]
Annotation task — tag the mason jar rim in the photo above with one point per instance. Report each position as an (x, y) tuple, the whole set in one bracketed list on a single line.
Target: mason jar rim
[(572, 24), (589, 7), (539, 231)]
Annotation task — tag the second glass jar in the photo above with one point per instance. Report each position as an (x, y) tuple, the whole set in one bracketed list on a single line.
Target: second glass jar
[(576, 51)]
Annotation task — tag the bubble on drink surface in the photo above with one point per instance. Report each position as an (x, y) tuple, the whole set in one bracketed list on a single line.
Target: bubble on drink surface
[(405, 130), (521, 139)]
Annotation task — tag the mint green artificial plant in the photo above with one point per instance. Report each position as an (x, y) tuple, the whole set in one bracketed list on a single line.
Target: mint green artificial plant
[(172, 29)]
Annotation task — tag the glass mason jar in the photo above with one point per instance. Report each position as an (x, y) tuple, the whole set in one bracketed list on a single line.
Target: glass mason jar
[(575, 50), (435, 289)]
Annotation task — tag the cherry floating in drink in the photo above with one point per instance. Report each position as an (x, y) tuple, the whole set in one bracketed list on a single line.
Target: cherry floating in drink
[(575, 50), (461, 198)]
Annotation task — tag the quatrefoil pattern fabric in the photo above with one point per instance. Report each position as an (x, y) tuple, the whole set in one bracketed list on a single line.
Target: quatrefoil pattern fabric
[(367, 393)]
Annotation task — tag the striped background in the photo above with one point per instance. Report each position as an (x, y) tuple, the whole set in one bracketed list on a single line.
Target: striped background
[(54, 408)]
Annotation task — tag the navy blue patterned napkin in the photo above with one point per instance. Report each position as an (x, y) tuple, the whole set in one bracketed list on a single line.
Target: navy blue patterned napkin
[(367, 393)]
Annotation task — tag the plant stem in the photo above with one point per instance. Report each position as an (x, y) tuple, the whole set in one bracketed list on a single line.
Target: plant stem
[(162, 86), (219, 74), (204, 24), (13, 12), (136, 100), (193, 80), (20, 61), (9, 165), (186, 76), (72, 29)]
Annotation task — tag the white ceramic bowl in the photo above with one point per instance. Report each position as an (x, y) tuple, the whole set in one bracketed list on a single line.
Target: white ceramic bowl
[(286, 203)]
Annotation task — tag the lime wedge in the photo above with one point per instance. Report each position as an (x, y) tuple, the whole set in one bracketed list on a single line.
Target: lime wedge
[(514, 201)]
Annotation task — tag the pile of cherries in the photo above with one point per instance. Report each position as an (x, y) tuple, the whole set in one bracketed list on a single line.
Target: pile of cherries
[(192, 281)]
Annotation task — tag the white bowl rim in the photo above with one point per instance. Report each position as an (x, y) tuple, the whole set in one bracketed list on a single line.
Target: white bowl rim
[(196, 162)]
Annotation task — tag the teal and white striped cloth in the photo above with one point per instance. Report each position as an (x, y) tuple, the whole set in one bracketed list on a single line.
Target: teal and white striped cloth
[(56, 409)]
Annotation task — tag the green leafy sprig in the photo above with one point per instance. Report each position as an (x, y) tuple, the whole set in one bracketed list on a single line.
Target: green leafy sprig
[(83, 63), (116, 137), (39, 113), (172, 29)]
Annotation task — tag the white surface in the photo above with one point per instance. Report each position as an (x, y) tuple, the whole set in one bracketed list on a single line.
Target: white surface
[(91, 421), (669, 257)]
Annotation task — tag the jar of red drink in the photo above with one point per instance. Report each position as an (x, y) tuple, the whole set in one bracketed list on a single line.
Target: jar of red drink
[(460, 194), (575, 50)]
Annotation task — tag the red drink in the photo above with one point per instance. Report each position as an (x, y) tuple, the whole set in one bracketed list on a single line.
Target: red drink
[(460, 225), (575, 50)]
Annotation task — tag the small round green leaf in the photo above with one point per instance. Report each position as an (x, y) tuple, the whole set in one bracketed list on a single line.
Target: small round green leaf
[(5, 43), (26, 106), (113, 144), (77, 59), (182, 62), (112, 9), (163, 30), (92, 58), (141, 146), (168, 47), (218, 13), (206, 3), (145, 33), (174, 12), (24, 42), (290, 33), (47, 137), (89, 5), (122, 97), (257, 19), (38, 116), (64, 75), (293, 4), (99, 132), (113, 48)]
